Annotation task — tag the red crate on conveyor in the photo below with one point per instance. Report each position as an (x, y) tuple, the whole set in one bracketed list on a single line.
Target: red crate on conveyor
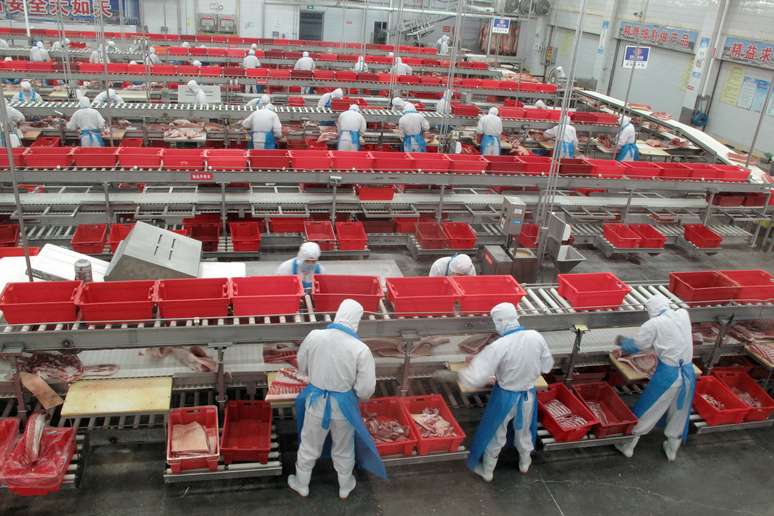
[(9, 235), (461, 235), (674, 171), (183, 159), (468, 163), (268, 159), (351, 236), (245, 236), (257, 73), (716, 404), (210, 71), (208, 233), (226, 159), (756, 285), (528, 237), (430, 235), (733, 173), (479, 294), (286, 224), (706, 172), (465, 109), (748, 391), (18, 158), (207, 457), (266, 295), (320, 232), (593, 291), (199, 297), (118, 232), (383, 409), (430, 162), (95, 157), (422, 295), (89, 238), (8, 252), (246, 431), (310, 159), (613, 414), (47, 141), (607, 168), (563, 414), (650, 237), (575, 167), (140, 157), (503, 164), (621, 236), (703, 287), (39, 302), (330, 290), (534, 165), (351, 160), (393, 161), (415, 406), (375, 193), (701, 236), (117, 301), (48, 157)]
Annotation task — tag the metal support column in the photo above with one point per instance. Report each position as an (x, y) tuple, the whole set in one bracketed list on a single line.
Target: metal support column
[(725, 324), (708, 212), (108, 209), (409, 338), (439, 209), (334, 181), (628, 206), (579, 330), (220, 348), (223, 212)]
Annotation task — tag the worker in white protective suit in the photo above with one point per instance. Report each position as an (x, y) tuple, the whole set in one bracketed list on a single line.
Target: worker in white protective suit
[(351, 126), (457, 265), (566, 147), (443, 44), (196, 63), (305, 264), (490, 127), (264, 128), (516, 361), (671, 388), (26, 93), (361, 66), (304, 63), (60, 44), (110, 96), (248, 63), (15, 117), (326, 98), (398, 104), (89, 122), (4, 43), (626, 144), (254, 47), (541, 105), (200, 96), (341, 373), (38, 53), (412, 126), (260, 102), (185, 44), (96, 56), (400, 68), (152, 58), (444, 105)]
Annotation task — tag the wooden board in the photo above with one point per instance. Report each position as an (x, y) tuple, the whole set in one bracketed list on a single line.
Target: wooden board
[(761, 360), (540, 384), (632, 375), (118, 396), (647, 150)]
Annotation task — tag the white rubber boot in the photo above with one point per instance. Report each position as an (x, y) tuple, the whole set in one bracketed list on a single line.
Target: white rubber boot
[(627, 449), (347, 484), (300, 482), (671, 445), (486, 468), (525, 461)]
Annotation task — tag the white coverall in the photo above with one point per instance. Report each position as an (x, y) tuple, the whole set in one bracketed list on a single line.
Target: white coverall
[(26, 93), (261, 102), (201, 97), (86, 119), (398, 104), (443, 45), (309, 251), (444, 105), (627, 135), (304, 63), (38, 53), (333, 361), (361, 66), (152, 58), (15, 117), (4, 44), (400, 68), (490, 125), (668, 332), (516, 361), (96, 56), (350, 120), (115, 98), (325, 98), (570, 137), (459, 265), (250, 62), (412, 123), (261, 122)]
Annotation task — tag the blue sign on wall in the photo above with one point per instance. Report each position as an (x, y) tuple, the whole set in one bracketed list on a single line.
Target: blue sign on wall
[(637, 57), (501, 25)]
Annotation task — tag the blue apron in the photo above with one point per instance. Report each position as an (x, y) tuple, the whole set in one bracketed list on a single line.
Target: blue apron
[(662, 380), (414, 143), (268, 140), (306, 284), (33, 98), (354, 137), (497, 409), (566, 149), (626, 150), (487, 140), (94, 136)]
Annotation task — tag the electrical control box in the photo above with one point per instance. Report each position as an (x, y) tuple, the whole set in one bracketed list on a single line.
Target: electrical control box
[(512, 215), (494, 260)]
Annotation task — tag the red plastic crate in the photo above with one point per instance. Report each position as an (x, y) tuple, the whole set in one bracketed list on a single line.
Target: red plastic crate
[(391, 408), (57, 447), (118, 232), (208, 233), (268, 159), (468, 163), (728, 200), (734, 173), (89, 238), (641, 169), (286, 224), (321, 232), (46, 141), (207, 416), (756, 285), (9, 432), (675, 171), (117, 301), (140, 157), (226, 159), (310, 159), (703, 287), (461, 235), (406, 225), (560, 392), (430, 235), (393, 161), (351, 236), (95, 157), (702, 236), (651, 238), (352, 160), (430, 162), (7, 252), (132, 142), (735, 410), (535, 165), (593, 291), (199, 297), (266, 295), (575, 167), (9, 235), (48, 157), (705, 172), (426, 445), (39, 302), (621, 236), (18, 157), (607, 168), (422, 295), (620, 419), (528, 237), (183, 159), (330, 290), (460, 109), (479, 294), (744, 382), (246, 431), (503, 164), (245, 236), (375, 193)]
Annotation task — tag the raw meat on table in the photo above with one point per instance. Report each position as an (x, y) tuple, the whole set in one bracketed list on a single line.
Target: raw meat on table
[(431, 424), (385, 430)]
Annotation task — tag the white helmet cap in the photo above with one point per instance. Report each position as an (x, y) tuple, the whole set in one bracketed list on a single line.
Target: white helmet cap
[(309, 251), (354, 107), (8, 58), (193, 86), (505, 317), (408, 107), (541, 105), (84, 102), (494, 111), (39, 44), (349, 314), (133, 62), (656, 305), (152, 50), (337, 93), (253, 47), (26, 86), (264, 100), (186, 44), (305, 54), (196, 62), (462, 265)]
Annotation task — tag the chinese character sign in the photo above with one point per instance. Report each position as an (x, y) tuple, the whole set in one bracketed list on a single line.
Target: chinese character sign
[(79, 10), (657, 35), (757, 53)]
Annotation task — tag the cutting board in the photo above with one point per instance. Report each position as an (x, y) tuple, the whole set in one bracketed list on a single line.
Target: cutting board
[(540, 384), (118, 396), (633, 375)]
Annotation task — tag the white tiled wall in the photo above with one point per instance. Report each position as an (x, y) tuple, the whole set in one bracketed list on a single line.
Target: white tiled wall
[(677, 13), (753, 19)]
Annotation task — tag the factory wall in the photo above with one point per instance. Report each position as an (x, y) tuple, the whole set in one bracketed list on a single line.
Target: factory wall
[(562, 40)]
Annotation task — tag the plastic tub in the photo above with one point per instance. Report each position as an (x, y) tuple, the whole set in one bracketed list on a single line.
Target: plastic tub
[(528, 236), (575, 167), (620, 236), (286, 224), (650, 237), (89, 238), (430, 162), (7, 252), (245, 236), (94, 157), (351, 160), (430, 235), (351, 236), (460, 234), (426, 445), (330, 290), (57, 447), (391, 408), (207, 233), (703, 287), (18, 157), (187, 298), (9, 235), (479, 294), (706, 172), (465, 109), (641, 169), (558, 391), (535, 165), (246, 431), (620, 419), (593, 291), (607, 168), (756, 285), (375, 193), (310, 159), (503, 164), (266, 295), (734, 410), (741, 381), (140, 157), (48, 157), (207, 416), (268, 159), (117, 301), (118, 232), (226, 159), (675, 171), (468, 163), (393, 161), (39, 302), (702, 236), (422, 295), (183, 159), (733, 173), (320, 231)]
